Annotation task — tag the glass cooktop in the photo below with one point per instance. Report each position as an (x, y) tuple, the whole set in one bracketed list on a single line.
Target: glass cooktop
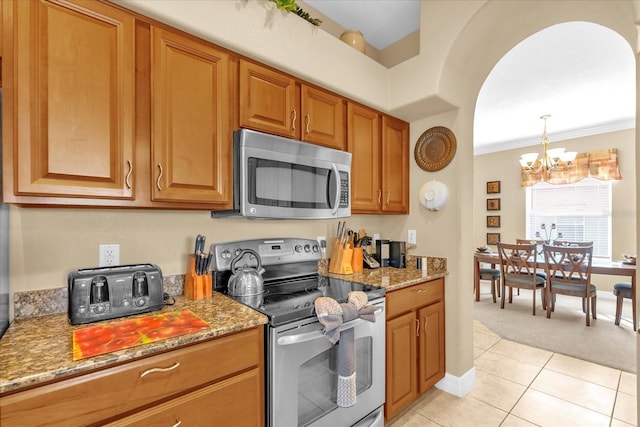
[(290, 300)]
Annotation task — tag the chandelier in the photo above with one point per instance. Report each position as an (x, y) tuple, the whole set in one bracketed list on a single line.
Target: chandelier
[(553, 159)]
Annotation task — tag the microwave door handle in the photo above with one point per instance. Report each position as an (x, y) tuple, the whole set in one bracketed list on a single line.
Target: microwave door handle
[(314, 335), (334, 211)]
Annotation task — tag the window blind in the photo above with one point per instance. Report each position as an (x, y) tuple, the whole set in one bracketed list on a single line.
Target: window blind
[(580, 211)]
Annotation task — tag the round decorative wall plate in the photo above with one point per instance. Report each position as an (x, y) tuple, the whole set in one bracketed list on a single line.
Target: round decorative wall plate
[(435, 148)]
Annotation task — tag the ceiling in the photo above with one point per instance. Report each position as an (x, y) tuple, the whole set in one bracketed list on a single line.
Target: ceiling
[(581, 74), (382, 22)]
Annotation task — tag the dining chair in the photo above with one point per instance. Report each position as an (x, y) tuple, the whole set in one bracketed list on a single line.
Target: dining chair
[(570, 243), (493, 275), (518, 270), (568, 271), (538, 244), (622, 290)]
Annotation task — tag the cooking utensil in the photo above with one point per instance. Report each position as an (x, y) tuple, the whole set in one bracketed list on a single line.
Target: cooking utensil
[(246, 281)]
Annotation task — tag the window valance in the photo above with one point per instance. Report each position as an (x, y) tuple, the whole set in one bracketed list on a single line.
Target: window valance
[(602, 164)]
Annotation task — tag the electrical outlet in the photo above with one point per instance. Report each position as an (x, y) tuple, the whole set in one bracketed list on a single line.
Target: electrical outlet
[(109, 255), (411, 237)]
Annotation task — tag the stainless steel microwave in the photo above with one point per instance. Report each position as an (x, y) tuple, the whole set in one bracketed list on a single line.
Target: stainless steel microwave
[(276, 177)]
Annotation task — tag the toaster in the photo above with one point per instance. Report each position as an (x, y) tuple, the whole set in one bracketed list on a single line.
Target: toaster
[(109, 292)]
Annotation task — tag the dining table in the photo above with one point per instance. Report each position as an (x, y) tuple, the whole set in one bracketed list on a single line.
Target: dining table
[(598, 266)]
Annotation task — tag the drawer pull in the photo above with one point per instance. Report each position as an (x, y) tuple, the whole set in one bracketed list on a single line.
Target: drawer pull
[(178, 422), (152, 370), (421, 291)]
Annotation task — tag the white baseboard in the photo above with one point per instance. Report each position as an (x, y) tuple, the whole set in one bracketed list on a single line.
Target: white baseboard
[(458, 386)]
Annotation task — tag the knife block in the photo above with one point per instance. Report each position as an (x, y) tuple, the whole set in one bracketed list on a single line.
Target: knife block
[(196, 286), (341, 258)]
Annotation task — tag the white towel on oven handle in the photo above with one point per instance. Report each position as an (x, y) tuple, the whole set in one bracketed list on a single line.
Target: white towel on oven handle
[(332, 315)]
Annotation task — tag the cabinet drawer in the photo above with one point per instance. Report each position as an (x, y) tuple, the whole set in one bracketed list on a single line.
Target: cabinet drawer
[(236, 401), (413, 297), (103, 394)]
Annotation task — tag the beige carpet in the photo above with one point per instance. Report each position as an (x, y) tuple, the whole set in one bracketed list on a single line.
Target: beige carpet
[(603, 342)]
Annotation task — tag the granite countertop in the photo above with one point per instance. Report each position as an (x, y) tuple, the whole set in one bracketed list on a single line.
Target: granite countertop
[(392, 278), (39, 349)]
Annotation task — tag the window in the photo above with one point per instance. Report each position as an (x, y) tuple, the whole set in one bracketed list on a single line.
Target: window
[(580, 211)]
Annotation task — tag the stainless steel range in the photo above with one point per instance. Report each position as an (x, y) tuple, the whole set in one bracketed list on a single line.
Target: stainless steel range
[(301, 364)]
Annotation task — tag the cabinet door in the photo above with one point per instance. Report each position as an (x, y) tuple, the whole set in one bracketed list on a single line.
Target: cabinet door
[(322, 118), (395, 165), (363, 142), (267, 100), (431, 345), (401, 377), (71, 100), (190, 126)]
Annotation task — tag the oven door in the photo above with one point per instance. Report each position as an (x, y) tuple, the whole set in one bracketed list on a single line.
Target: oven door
[(303, 371)]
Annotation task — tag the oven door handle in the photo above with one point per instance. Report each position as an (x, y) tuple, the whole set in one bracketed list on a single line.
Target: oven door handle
[(314, 335)]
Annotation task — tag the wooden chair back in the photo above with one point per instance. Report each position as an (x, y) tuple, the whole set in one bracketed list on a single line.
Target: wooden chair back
[(570, 243), (570, 265), (513, 261), (538, 244)]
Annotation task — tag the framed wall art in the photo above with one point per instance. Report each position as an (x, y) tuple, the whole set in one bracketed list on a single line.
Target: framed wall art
[(493, 238), (493, 221), (493, 187), (493, 204)]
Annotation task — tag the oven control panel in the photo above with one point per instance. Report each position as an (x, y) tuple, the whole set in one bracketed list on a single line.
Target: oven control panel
[(271, 251)]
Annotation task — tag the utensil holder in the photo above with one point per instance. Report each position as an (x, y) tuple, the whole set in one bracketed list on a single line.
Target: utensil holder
[(357, 260), (196, 286)]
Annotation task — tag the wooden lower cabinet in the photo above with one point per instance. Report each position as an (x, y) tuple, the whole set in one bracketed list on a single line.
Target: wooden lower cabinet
[(216, 382), (415, 343)]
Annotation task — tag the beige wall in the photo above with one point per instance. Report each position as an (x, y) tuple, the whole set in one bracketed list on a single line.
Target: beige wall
[(504, 167), (460, 42)]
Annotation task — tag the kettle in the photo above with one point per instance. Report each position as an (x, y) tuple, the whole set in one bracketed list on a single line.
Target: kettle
[(246, 281)]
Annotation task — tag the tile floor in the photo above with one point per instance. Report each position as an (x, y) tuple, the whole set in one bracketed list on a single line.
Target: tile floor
[(519, 385)]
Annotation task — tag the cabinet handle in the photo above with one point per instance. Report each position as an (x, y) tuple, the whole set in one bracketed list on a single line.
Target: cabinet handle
[(421, 290), (380, 197), (387, 197), (178, 422), (128, 178), (152, 370), (417, 327), (307, 121), (159, 176), (294, 115), (426, 321)]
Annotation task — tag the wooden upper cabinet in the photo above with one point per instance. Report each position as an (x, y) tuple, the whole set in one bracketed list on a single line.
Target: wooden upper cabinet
[(268, 100), (395, 165), (191, 139), (363, 142), (71, 99), (322, 118)]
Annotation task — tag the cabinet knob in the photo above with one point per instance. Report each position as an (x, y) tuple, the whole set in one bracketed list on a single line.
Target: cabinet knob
[(128, 178), (294, 116), (159, 177)]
